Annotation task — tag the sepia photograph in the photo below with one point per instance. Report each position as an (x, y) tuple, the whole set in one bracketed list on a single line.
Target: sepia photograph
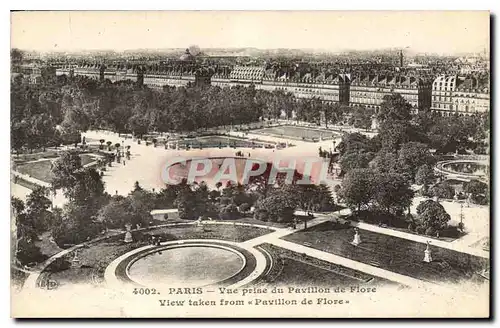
[(250, 164)]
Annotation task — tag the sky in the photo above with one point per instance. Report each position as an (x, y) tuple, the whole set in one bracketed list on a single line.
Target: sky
[(433, 31)]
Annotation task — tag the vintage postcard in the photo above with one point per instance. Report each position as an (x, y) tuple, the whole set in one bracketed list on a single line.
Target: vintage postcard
[(226, 164)]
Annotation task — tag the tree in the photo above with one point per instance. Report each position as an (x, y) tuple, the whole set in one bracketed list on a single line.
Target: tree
[(357, 188), (310, 197), (475, 187), (167, 196), (138, 124), (64, 170), (237, 194), (116, 213), (361, 118), (245, 207), (477, 191), (77, 224), (187, 204), (76, 119), (392, 193), (322, 198), (385, 161), (278, 207), (394, 107), (354, 142), (229, 212), (443, 190), (142, 202), (413, 155), (453, 134), (37, 205), (41, 130), (395, 133), (69, 136), (425, 175), (351, 161), (432, 217), (26, 251), (88, 187)]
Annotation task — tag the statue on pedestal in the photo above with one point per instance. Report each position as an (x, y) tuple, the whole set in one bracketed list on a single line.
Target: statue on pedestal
[(357, 239), (428, 254), (75, 262), (128, 234), (200, 224)]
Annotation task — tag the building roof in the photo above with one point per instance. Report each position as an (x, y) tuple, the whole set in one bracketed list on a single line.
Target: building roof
[(247, 73)]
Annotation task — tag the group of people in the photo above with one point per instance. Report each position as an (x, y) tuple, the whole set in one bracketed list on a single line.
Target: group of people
[(155, 241), (239, 153)]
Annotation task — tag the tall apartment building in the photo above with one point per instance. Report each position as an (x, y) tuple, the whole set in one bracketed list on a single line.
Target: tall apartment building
[(330, 87), (454, 94), (358, 89), (369, 90)]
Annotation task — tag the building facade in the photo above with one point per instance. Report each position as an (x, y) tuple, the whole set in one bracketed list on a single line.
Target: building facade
[(349, 89), (446, 94), (454, 94), (369, 90)]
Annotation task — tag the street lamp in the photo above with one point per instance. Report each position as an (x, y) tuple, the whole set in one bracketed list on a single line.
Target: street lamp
[(461, 213), (461, 224)]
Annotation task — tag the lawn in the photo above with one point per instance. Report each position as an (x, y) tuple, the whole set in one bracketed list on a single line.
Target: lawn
[(294, 269), (41, 170), (27, 157), (25, 184), (87, 159), (391, 253), (221, 141), (251, 220), (296, 132), (215, 231)]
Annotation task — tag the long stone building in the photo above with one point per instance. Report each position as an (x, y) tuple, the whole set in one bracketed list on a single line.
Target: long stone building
[(446, 94), (453, 94)]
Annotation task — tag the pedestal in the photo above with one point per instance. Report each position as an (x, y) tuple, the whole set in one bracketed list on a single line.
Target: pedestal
[(128, 237), (128, 234), (75, 262), (357, 239)]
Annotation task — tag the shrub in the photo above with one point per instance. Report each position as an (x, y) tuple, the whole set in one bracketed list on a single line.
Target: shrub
[(430, 231), (244, 207), (443, 190), (60, 264), (420, 229), (261, 215), (229, 212)]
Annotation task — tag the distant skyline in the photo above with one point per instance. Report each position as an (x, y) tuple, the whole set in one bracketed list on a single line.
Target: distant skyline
[(441, 32)]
